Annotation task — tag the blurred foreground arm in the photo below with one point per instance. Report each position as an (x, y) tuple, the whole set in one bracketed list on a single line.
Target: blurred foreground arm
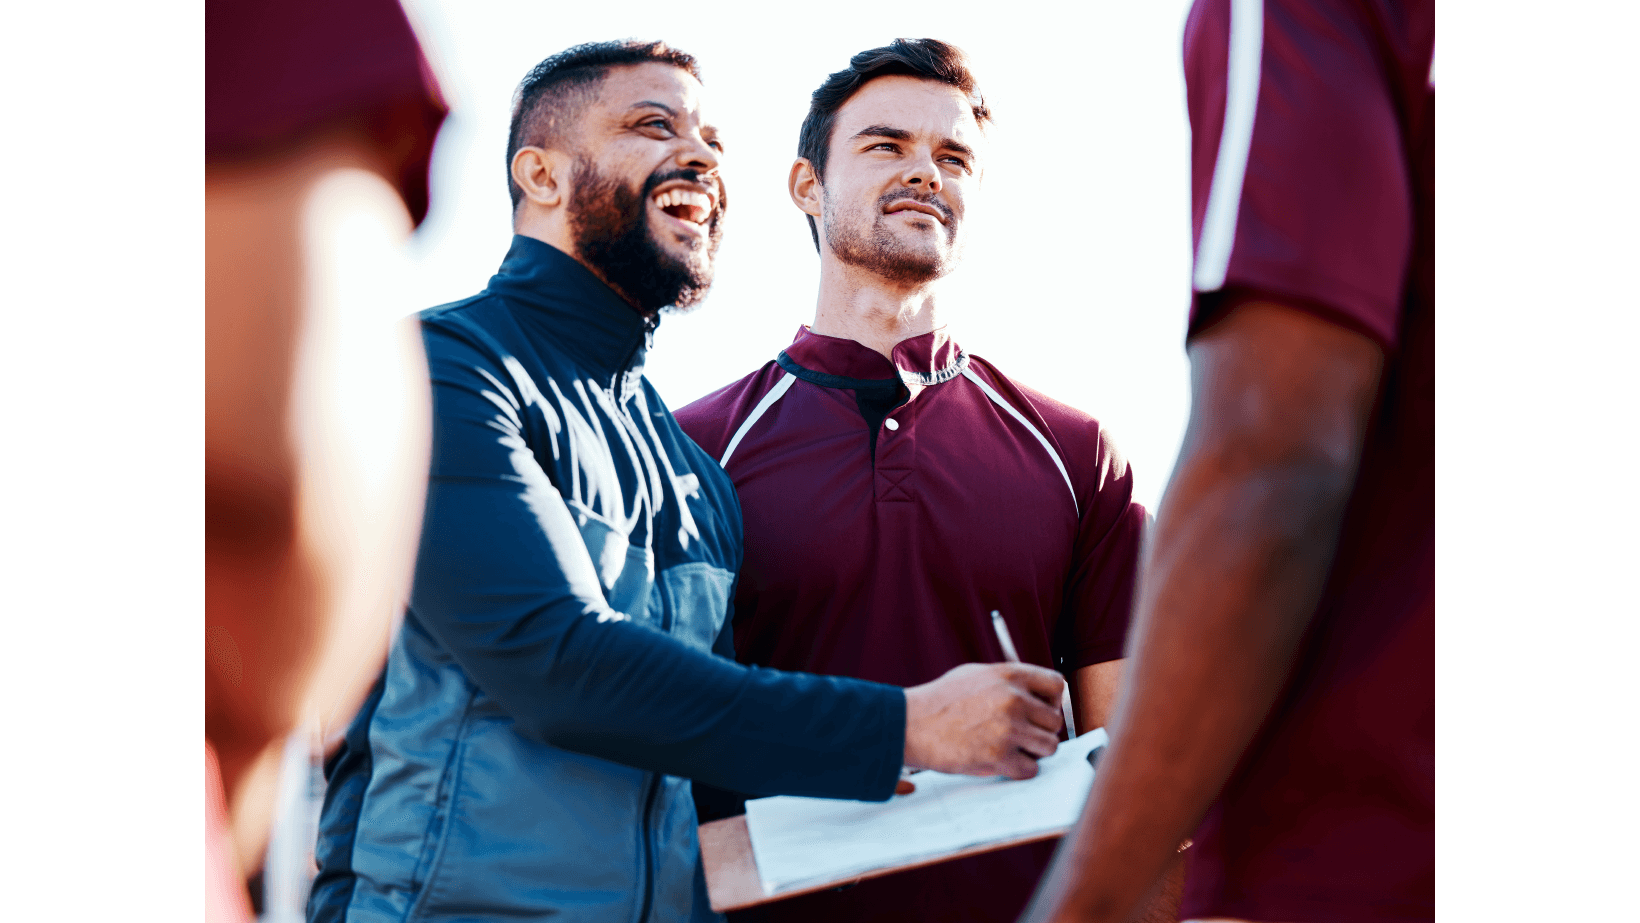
[(1242, 547), (309, 517)]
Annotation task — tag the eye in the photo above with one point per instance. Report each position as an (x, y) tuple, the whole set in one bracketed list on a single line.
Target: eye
[(657, 122), (884, 145), (961, 164)]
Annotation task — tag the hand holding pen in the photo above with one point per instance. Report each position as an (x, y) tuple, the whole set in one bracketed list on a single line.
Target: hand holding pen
[(1012, 656)]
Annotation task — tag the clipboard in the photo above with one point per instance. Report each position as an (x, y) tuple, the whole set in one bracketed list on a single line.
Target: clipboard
[(732, 881), (813, 844)]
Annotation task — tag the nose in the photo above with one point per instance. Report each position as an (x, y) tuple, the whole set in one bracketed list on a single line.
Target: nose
[(699, 156), (922, 174)]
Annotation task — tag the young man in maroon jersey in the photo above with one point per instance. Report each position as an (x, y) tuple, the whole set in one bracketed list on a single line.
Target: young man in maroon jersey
[(898, 489), (1280, 708)]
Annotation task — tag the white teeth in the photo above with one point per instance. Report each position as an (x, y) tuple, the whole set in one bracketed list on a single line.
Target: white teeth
[(676, 197), (673, 197)]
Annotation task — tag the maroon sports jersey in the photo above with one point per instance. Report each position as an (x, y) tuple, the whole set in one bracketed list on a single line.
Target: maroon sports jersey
[(1313, 142), (879, 538)]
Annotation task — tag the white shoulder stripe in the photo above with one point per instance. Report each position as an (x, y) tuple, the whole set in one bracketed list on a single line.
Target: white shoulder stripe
[(997, 399), (1236, 141), (775, 393)]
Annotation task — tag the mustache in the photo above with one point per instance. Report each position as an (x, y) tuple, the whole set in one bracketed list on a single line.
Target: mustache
[(931, 200)]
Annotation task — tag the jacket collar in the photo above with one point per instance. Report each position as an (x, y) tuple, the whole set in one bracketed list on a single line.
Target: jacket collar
[(584, 315), (834, 362)]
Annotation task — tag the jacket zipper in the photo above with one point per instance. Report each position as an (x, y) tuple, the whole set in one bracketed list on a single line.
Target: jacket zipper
[(619, 385), (645, 831)]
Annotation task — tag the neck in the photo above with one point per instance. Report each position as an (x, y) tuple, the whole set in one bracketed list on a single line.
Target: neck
[(553, 228), (875, 312)]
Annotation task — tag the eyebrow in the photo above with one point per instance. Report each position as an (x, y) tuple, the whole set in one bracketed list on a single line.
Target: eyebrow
[(900, 134), (649, 103), (883, 131)]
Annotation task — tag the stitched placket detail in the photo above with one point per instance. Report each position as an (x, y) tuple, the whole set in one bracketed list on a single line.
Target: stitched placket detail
[(894, 485), (896, 459)]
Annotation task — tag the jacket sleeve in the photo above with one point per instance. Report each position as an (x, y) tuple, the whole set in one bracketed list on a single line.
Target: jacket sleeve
[(505, 583)]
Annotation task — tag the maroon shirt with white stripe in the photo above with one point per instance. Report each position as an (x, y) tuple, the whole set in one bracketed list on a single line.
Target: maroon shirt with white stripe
[(881, 535), (1313, 150)]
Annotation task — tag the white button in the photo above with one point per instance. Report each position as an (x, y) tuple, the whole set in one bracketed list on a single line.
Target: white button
[(892, 423)]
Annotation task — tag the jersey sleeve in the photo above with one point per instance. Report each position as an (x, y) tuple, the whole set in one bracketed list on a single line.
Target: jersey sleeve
[(504, 582), (1300, 184), (1099, 594)]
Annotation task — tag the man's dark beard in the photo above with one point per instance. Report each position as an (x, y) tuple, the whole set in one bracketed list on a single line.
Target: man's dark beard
[(879, 253), (613, 235)]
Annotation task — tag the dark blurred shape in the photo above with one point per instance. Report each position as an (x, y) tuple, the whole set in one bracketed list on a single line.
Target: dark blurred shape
[(277, 74)]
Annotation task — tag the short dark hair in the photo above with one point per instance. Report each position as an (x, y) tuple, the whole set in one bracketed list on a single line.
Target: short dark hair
[(927, 58), (551, 96)]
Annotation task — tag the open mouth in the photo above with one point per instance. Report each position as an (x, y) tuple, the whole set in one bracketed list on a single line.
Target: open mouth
[(685, 205)]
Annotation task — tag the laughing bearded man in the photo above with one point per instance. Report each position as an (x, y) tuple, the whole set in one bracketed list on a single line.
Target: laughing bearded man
[(563, 669)]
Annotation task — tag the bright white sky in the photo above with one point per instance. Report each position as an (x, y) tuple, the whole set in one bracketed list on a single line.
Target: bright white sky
[(1077, 277)]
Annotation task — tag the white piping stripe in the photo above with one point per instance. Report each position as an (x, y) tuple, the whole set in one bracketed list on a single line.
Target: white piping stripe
[(1230, 169), (762, 407), (997, 398)]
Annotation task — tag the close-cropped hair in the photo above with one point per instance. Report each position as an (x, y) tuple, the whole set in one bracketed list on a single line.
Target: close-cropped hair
[(552, 95), (926, 58)]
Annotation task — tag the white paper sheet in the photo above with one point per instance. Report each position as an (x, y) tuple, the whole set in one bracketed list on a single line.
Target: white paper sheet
[(799, 841)]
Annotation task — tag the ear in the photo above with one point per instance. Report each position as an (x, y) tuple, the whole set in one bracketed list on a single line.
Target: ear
[(804, 187), (543, 175)]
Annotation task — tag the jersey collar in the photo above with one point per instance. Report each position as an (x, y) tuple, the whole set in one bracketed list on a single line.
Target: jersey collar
[(835, 362)]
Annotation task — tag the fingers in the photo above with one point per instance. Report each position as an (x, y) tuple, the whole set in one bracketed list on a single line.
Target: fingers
[(985, 719), (1031, 744), (1042, 715), (1036, 742), (1041, 682), (1018, 765)]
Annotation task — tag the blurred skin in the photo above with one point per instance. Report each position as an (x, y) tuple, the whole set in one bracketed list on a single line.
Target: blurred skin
[(979, 719), (1235, 567), (310, 514)]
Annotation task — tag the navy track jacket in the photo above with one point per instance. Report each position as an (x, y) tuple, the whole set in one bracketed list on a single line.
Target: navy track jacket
[(564, 665)]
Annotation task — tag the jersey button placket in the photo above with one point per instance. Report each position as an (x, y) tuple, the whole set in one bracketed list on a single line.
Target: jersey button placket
[(895, 461)]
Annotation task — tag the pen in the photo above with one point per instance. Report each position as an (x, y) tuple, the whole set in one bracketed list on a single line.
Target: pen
[(1012, 656)]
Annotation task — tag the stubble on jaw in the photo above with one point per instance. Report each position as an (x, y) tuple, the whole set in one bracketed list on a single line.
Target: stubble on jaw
[(611, 228), (879, 252)]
